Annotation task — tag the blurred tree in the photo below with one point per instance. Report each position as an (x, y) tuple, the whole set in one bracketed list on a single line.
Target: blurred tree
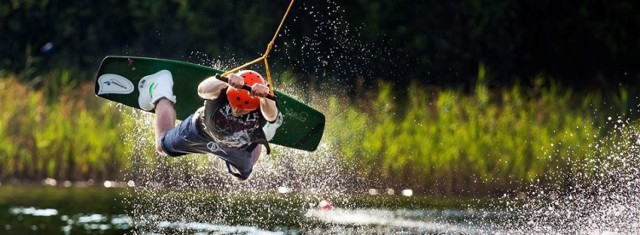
[(434, 42)]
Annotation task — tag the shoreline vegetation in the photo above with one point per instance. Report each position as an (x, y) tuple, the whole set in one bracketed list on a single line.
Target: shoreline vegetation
[(62, 133), (436, 141)]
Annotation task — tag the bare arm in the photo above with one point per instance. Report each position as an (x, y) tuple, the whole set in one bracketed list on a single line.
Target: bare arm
[(269, 109), (267, 106), (210, 88)]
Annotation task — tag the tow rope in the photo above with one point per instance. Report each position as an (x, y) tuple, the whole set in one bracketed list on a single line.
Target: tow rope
[(265, 55)]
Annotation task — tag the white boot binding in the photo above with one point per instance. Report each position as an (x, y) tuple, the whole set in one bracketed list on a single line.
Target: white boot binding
[(154, 87)]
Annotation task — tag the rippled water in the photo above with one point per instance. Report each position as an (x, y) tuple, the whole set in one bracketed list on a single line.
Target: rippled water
[(41, 209), (56, 210)]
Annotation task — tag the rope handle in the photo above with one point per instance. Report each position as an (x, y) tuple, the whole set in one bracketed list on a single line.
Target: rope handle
[(246, 87), (264, 57)]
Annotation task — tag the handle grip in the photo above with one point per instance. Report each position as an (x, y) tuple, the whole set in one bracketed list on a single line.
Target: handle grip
[(246, 87)]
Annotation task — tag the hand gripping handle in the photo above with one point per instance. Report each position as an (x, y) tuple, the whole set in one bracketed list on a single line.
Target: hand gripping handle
[(246, 87)]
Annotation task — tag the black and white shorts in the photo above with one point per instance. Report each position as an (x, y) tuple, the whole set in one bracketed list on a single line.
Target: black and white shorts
[(186, 138)]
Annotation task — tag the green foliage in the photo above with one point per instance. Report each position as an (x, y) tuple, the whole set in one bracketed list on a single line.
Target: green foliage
[(447, 141), (72, 137), (576, 41), (442, 141)]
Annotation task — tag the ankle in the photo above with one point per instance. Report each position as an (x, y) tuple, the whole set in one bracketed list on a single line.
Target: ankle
[(164, 102)]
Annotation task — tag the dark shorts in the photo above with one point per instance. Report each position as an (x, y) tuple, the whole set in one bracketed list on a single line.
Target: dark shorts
[(186, 138)]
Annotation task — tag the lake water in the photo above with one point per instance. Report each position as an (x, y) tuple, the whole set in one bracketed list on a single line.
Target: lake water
[(99, 210)]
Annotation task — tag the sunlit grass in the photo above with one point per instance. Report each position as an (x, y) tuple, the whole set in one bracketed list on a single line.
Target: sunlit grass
[(448, 141), (438, 140), (71, 136)]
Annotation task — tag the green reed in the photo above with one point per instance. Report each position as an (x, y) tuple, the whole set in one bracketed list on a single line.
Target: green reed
[(435, 140), (68, 136), (447, 141)]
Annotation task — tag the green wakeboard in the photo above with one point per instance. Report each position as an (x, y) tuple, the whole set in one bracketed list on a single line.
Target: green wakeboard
[(118, 78)]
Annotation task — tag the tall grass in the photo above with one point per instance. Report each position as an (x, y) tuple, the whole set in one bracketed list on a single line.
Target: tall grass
[(454, 142), (68, 136), (442, 141)]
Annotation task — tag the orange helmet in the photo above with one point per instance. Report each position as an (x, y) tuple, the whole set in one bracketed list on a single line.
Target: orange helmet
[(241, 99)]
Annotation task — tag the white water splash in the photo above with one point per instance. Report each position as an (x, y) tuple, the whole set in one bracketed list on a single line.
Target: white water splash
[(174, 192), (603, 198)]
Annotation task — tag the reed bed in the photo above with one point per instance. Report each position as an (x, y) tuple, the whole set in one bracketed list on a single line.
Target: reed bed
[(446, 141), (64, 134), (433, 140)]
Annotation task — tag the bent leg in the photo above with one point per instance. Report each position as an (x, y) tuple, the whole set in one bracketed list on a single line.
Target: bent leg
[(256, 154), (165, 121), (240, 162), (156, 92)]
